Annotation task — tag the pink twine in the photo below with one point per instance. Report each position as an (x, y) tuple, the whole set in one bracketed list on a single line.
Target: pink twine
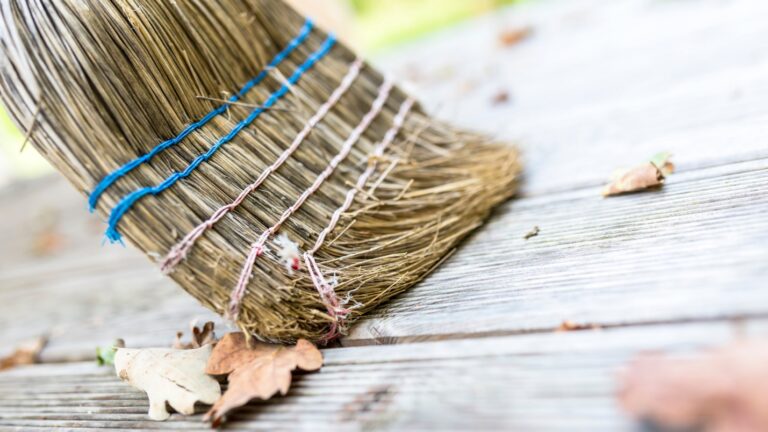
[(179, 252), (258, 247), (326, 290)]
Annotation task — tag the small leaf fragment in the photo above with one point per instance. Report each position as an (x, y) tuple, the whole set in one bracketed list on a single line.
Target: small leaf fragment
[(200, 336), (513, 36), (532, 233), (169, 377), (721, 390), (106, 355), (662, 162), (569, 325), (256, 370), (25, 354), (500, 98)]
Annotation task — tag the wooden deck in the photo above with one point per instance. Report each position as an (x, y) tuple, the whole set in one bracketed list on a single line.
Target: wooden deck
[(599, 85)]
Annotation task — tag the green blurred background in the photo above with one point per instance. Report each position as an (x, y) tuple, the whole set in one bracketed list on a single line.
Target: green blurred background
[(369, 25)]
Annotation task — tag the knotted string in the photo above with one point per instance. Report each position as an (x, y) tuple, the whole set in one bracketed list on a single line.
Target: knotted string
[(126, 203), (336, 309), (182, 248), (257, 248), (111, 178)]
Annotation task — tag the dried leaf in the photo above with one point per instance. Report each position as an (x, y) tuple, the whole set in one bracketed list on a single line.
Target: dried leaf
[(26, 354), (48, 239), (514, 36), (256, 370), (169, 377), (722, 390), (106, 355), (500, 98), (568, 325), (640, 178), (646, 176), (47, 242), (200, 336)]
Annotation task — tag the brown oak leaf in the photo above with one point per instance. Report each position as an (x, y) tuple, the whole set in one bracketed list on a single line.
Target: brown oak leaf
[(718, 391), (256, 370)]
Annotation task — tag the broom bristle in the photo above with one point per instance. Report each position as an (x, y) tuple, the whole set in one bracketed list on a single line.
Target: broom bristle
[(113, 79)]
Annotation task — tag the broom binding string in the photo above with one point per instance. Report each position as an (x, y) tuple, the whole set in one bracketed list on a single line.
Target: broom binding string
[(179, 251), (110, 179), (120, 78), (257, 249), (128, 201), (336, 308)]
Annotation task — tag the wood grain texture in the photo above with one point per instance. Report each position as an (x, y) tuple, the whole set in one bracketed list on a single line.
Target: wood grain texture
[(81, 294), (603, 84), (611, 94), (694, 250), (557, 381)]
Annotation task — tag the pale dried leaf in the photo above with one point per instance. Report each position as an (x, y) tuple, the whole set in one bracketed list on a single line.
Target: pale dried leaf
[(640, 178), (722, 390), (25, 354), (169, 376), (256, 370)]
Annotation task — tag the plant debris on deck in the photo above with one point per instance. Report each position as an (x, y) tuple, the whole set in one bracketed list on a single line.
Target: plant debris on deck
[(649, 175)]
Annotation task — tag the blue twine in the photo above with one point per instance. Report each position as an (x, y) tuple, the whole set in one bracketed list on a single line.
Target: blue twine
[(110, 179), (126, 203)]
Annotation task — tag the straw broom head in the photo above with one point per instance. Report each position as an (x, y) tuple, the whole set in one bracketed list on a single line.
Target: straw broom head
[(100, 83)]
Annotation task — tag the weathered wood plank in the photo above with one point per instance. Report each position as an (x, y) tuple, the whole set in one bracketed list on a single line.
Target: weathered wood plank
[(694, 250), (691, 251), (556, 381), (600, 83)]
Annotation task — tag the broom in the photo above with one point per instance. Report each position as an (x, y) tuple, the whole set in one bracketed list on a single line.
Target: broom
[(274, 175)]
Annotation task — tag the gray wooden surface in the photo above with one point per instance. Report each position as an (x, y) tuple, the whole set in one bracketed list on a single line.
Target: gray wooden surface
[(556, 381), (599, 85)]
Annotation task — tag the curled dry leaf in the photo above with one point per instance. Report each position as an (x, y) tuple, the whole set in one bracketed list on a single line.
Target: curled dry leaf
[(642, 177), (201, 336), (256, 370), (25, 354), (639, 178), (169, 377), (722, 390)]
